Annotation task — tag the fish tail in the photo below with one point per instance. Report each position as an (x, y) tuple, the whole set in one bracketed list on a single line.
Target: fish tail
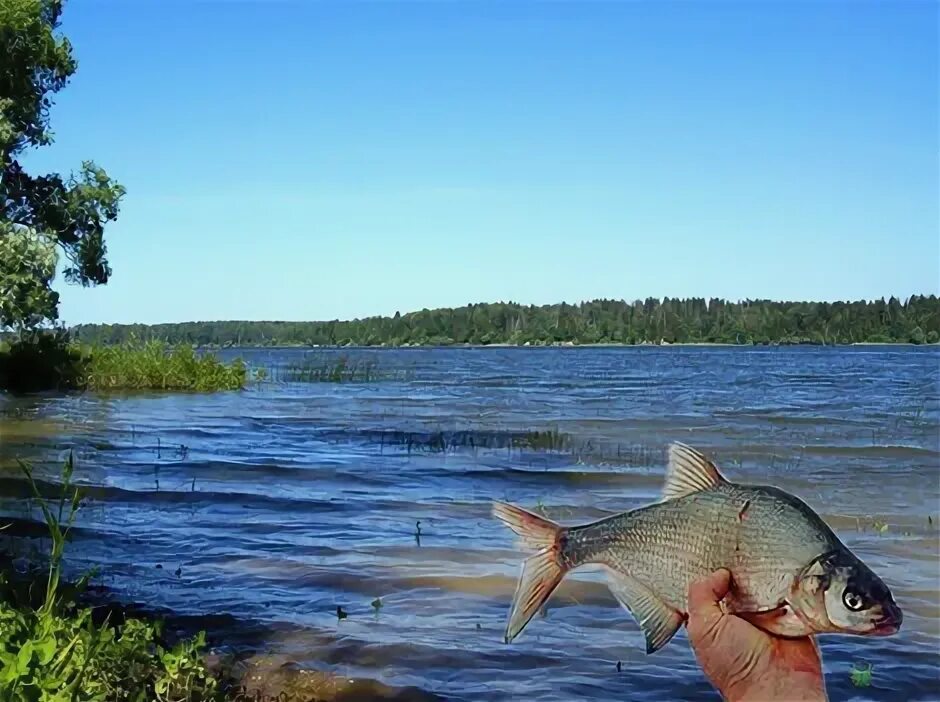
[(541, 572)]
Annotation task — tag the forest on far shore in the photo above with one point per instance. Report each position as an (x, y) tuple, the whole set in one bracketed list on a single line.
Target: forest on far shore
[(694, 320)]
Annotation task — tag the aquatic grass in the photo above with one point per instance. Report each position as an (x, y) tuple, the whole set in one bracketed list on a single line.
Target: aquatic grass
[(545, 440), (552, 441), (442, 441), (330, 368), (55, 650), (155, 365), (340, 370)]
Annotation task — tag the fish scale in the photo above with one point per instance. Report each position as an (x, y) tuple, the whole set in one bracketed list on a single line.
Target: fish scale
[(791, 575)]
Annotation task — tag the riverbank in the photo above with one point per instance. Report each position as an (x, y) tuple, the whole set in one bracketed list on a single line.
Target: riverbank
[(133, 651), (78, 637)]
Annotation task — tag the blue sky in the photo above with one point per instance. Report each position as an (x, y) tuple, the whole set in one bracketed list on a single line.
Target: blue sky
[(320, 160)]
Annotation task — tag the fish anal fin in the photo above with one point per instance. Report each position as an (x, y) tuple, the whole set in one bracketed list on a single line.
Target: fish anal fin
[(689, 471), (658, 620)]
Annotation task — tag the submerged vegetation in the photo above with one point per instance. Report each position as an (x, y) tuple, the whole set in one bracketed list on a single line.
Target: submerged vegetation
[(915, 320), (330, 369), (532, 441), (39, 361), (51, 648)]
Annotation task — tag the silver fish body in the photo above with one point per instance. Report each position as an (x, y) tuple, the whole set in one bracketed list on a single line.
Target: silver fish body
[(762, 535), (792, 576)]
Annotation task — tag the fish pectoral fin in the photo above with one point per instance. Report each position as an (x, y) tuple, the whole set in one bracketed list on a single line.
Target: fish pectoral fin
[(658, 620), (767, 616), (780, 621), (689, 471)]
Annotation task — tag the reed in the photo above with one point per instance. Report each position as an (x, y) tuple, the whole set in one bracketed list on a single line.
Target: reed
[(330, 368), (155, 365), (442, 441)]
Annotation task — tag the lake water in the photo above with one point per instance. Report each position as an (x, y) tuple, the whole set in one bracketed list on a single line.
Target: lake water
[(266, 509)]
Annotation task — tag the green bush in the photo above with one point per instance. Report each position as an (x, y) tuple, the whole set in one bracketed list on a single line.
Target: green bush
[(37, 361), (49, 360), (56, 652)]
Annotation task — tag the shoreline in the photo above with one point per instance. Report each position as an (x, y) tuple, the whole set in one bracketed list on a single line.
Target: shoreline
[(563, 345)]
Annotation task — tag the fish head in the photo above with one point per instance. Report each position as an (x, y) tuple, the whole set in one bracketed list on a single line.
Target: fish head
[(838, 593)]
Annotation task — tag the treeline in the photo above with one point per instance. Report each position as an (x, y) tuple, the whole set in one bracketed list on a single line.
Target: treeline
[(694, 320)]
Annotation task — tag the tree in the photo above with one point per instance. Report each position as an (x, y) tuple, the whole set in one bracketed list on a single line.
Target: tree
[(47, 215)]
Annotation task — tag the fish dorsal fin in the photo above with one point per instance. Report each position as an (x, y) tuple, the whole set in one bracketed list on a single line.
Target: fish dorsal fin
[(689, 471)]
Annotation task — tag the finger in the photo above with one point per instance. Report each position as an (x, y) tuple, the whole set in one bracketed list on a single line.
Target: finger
[(706, 593)]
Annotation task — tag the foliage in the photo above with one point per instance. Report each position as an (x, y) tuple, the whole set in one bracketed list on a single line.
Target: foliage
[(598, 322), (56, 652), (39, 361), (27, 267), (39, 213)]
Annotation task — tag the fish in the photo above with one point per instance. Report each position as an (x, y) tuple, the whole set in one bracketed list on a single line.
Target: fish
[(791, 575)]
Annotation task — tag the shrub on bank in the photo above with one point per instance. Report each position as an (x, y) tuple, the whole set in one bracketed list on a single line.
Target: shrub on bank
[(40, 361)]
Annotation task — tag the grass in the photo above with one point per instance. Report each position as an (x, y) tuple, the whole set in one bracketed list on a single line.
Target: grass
[(43, 361), (54, 650)]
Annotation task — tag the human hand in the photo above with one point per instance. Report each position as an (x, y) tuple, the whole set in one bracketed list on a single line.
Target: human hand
[(746, 663)]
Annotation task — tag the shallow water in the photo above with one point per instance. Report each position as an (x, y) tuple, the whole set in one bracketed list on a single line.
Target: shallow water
[(281, 502)]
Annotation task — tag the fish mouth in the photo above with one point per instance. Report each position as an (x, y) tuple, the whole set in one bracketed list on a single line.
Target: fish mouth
[(890, 621)]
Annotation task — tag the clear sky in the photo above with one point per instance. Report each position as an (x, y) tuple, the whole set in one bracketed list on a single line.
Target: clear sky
[(317, 160)]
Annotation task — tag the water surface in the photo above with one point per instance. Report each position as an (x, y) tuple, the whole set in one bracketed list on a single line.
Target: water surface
[(277, 504)]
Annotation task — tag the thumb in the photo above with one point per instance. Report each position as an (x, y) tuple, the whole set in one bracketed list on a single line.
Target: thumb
[(705, 595)]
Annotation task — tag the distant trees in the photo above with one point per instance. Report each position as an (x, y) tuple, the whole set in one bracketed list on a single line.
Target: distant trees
[(42, 216), (915, 320)]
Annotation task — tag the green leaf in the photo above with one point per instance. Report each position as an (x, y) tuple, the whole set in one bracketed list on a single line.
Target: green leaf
[(45, 650), (24, 657)]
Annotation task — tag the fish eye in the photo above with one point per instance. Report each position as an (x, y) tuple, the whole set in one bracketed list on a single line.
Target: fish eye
[(853, 600)]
